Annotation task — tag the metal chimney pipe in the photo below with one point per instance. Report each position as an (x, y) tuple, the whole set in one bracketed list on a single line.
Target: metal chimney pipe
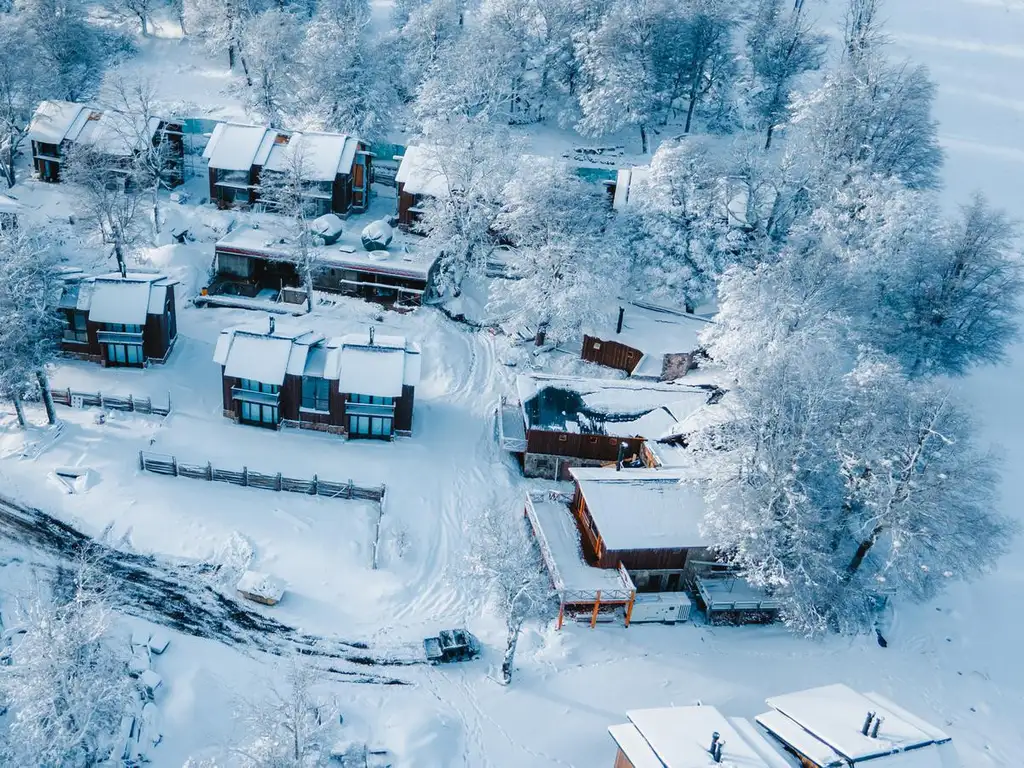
[(867, 723), (618, 325), (623, 447), (371, 335), (714, 743), (272, 324), (876, 726), (718, 753)]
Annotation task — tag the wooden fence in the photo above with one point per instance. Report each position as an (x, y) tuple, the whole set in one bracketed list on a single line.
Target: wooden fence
[(69, 398), (163, 464)]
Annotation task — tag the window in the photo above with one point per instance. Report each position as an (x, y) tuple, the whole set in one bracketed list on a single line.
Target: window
[(316, 394), (597, 345), (77, 327), (372, 400), (122, 328), (263, 415), (563, 437), (258, 386)]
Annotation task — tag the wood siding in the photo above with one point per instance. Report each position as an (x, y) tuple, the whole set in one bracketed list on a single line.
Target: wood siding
[(406, 217), (621, 761), (611, 354), (594, 447), (158, 334)]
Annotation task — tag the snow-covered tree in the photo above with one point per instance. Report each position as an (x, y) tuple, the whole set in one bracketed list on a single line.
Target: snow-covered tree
[(292, 726), (68, 47), (425, 30), (475, 160), (66, 686), (703, 67), (286, 192), (220, 24), (561, 271), (31, 327), (141, 10), (24, 82), (506, 564), (347, 83), (270, 43), (109, 198), (781, 46), (682, 239)]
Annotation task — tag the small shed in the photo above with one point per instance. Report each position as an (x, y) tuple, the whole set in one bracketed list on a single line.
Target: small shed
[(690, 737), (421, 174), (647, 520), (834, 726)]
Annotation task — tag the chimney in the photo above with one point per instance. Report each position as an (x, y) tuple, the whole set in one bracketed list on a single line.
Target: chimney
[(542, 332), (623, 447), (867, 723), (876, 726), (718, 753), (371, 335), (714, 743), (270, 332), (618, 325)]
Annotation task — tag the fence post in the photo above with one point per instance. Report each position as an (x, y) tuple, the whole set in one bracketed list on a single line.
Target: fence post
[(168, 402), (142, 462), (69, 395), (99, 396), (131, 403), (174, 465), (278, 481), (209, 471), (315, 489), (349, 489), (245, 477)]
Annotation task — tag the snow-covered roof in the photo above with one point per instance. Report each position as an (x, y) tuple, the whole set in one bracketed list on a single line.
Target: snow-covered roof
[(52, 121), (233, 147), (236, 147), (271, 242), (625, 182), (115, 299), (643, 508), (613, 407), (257, 353), (827, 722), (422, 173), (655, 331), (680, 737), (379, 369), (9, 205)]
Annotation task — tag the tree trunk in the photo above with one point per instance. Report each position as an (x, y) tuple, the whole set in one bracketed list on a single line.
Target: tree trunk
[(231, 56), (122, 267), (768, 140), (507, 664), (145, 26), (9, 171), (309, 290), (862, 552), (19, 409), (156, 208), (690, 109), (643, 138), (44, 387)]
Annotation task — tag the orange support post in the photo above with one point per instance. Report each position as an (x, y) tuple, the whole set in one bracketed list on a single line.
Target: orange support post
[(597, 604), (629, 607), (561, 614)]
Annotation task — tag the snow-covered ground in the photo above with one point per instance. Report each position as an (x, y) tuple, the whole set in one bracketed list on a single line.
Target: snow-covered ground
[(953, 662)]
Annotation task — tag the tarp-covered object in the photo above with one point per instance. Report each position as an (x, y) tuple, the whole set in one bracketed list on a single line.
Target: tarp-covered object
[(377, 235)]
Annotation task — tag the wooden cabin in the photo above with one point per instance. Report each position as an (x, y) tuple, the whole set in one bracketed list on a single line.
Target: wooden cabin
[(690, 737), (251, 260), (562, 422), (10, 209), (646, 520), (420, 175), (117, 320), (835, 726), (654, 343), (58, 126), (336, 168), (360, 385)]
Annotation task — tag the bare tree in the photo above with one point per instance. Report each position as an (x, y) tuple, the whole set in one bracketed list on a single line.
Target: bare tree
[(507, 566), (291, 726), (22, 87), (287, 190), (110, 197)]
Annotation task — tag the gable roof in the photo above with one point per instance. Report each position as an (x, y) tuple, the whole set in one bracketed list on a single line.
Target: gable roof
[(643, 508), (107, 132), (252, 352), (626, 181), (9, 205), (826, 724), (233, 146), (654, 330), (680, 737), (421, 171), (53, 120), (115, 299), (238, 147), (378, 369)]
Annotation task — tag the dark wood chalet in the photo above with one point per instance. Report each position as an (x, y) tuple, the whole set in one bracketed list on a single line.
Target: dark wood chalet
[(252, 262), (336, 168), (119, 320), (564, 422), (647, 520), (420, 175), (360, 385), (58, 126), (648, 342)]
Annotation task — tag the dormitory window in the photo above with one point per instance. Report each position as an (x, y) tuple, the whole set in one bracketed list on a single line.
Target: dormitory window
[(316, 394)]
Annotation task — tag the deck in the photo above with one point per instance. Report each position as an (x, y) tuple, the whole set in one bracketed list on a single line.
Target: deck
[(731, 594), (511, 427)]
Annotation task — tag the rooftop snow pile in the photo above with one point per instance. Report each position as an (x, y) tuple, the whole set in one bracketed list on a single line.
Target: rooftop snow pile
[(373, 365), (828, 724), (261, 587), (264, 354), (655, 331), (422, 172), (107, 132), (115, 299), (643, 508), (323, 156)]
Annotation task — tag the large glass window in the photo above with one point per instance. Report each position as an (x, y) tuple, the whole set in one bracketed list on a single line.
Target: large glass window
[(316, 394), (77, 327), (258, 386), (124, 354), (372, 400), (122, 328), (255, 413)]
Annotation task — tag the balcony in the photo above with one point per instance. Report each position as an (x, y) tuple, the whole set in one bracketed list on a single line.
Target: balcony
[(252, 396), (118, 337), (369, 409)]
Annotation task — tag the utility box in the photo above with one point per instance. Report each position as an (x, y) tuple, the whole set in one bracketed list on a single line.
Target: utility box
[(666, 607)]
